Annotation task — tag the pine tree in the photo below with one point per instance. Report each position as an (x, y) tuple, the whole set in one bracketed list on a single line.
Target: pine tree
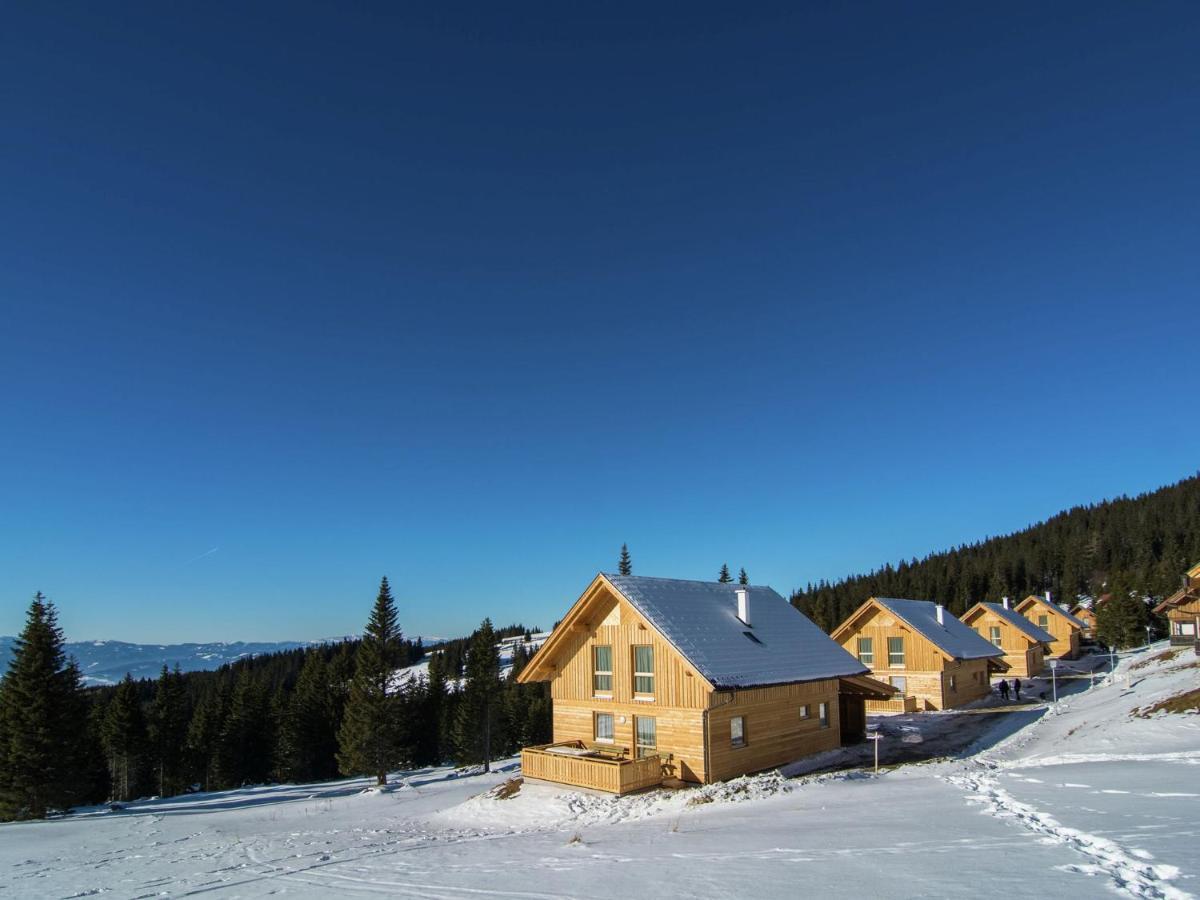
[(308, 732), (724, 577), (204, 735), (743, 578), (625, 563), (125, 741), (478, 709), (368, 741), (1122, 621), (169, 717), (41, 712), (246, 748)]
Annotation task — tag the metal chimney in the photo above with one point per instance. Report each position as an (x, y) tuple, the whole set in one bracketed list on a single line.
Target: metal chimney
[(743, 602), (941, 614), (1047, 596), (1005, 602)]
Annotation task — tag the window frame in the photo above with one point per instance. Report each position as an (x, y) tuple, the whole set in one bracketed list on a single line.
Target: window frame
[(1043, 621), (892, 654), (823, 714), (737, 735), (994, 635), (596, 717), (598, 673), (641, 674), (805, 713), (638, 747), (866, 654)]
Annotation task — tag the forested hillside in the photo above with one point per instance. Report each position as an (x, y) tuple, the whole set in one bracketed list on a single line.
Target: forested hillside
[(1137, 544)]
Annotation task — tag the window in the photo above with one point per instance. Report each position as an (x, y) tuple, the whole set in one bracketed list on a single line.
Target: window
[(900, 683), (866, 651), (645, 730), (994, 635), (604, 728), (737, 732), (643, 670), (804, 711), (602, 669), (1043, 621), (896, 652), (823, 713), (953, 685)]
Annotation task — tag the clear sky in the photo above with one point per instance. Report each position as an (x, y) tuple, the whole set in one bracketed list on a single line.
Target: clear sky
[(295, 296)]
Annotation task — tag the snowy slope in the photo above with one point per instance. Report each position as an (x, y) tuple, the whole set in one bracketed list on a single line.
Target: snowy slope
[(1088, 802)]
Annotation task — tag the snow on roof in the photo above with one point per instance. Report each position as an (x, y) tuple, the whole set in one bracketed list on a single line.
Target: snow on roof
[(952, 636), (699, 618), (1018, 621)]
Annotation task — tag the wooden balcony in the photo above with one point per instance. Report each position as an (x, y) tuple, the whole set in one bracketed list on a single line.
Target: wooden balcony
[(601, 769)]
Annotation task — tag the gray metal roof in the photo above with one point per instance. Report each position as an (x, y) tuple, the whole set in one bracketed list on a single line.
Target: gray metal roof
[(1018, 621), (1056, 608), (955, 638), (699, 618)]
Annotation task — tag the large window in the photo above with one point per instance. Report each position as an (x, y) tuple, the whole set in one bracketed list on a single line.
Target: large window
[(645, 732), (604, 728), (866, 651), (900, 683), (823, 713), (896, 652), (737, 732), (994, 635), (602, 669), (643, 669)]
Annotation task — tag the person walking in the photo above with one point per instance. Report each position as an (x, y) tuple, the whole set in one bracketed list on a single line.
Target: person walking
[(1017, 688), (1003, 689)]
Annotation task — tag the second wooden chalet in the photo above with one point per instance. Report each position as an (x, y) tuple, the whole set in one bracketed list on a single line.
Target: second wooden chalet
[(699, 681), (1087, 615), (1023, 643), (932, 659), (1182, 610), (1067, 630)]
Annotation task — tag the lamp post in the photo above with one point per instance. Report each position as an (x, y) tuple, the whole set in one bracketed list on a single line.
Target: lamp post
[(876, 737), (1054, 681), (1147, 636)]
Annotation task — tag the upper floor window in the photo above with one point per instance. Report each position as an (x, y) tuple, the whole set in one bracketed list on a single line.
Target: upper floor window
[(994, 634), (896, 652), (643, 669), (1043, 621), (866, 651), (602, 669)]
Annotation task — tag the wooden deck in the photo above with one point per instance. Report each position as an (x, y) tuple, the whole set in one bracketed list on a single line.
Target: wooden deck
[(598, 769)]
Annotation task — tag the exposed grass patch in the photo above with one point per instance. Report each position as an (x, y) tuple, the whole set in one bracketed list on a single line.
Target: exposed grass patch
[(1187, 702), (1165, 656), (510, 788)]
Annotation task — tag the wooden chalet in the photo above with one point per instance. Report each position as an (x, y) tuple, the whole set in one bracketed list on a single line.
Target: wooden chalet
[(1024, 644), (932, 659), (655, 678), (1067, 630), (1182, 610), (1086, 615)]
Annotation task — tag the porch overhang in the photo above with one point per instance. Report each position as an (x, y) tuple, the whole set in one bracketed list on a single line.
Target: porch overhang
[(867, 688)]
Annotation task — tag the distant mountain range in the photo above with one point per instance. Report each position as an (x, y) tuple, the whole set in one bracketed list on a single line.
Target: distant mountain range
[(106, 662)]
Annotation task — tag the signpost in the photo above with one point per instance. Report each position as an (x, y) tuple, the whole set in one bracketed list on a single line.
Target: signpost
[(876, 737)]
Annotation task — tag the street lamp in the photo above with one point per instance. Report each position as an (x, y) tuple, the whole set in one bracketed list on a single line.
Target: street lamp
[(1054, 680), (1147, 635)]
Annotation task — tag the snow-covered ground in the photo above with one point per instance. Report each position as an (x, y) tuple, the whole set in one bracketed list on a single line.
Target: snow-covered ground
[(1087, 801)]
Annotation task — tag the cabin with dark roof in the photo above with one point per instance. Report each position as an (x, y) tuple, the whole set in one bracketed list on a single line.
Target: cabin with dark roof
[(1067, 630), (932, 659), (1024, 644), (655, 678)]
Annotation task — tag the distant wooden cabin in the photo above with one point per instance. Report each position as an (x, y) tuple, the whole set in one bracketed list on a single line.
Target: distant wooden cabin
[(1086, 615), (1067, 630), (932, 659), (1024, 644), (1182, 610), (656, 677)]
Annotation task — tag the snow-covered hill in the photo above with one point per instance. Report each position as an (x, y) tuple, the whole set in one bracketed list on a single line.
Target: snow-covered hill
[(1097, 799)]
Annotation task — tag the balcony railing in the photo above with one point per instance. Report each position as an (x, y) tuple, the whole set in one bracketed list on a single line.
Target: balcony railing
[(601, 769)]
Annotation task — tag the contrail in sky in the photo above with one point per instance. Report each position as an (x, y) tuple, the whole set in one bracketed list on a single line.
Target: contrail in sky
[(202, 555)]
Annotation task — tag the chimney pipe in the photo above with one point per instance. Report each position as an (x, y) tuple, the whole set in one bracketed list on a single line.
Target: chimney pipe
[(1047, 596), (941, 614), (1005, 601), (743, 602)]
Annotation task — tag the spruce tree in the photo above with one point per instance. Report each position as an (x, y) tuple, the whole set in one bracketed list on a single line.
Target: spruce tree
[(625, 563), (724, 577), (125, 740), (308, 731), (743, 578), (368, 740), (478, 709), (41, 713), (246, 748), (169, 717), (204, 735), (1122, 621)]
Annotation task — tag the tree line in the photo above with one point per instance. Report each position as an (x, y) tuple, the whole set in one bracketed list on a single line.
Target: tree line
[(1130, 547), (297, 716)]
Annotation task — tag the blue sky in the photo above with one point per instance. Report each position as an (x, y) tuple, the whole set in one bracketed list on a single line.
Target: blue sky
[(294, 297)]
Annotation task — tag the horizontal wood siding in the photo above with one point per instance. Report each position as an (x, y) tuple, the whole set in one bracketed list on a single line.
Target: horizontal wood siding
[(775, 734), (1066, 636), (971, 681), (611, 621), (680, 731), (597, 774)]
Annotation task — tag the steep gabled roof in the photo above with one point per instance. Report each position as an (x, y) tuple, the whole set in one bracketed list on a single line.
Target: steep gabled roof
[(950, 636), (1053, 607), (699, 619), (1015, 619)]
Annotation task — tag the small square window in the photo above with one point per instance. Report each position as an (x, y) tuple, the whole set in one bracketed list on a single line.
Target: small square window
[(737, 732), (804, 711)]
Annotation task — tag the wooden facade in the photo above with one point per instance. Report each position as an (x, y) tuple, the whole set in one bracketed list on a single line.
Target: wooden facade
[(928, 678), (1087, 616), (696, 737), (598, 772), (1182, 610), (1024, 655), (1068, 635)]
